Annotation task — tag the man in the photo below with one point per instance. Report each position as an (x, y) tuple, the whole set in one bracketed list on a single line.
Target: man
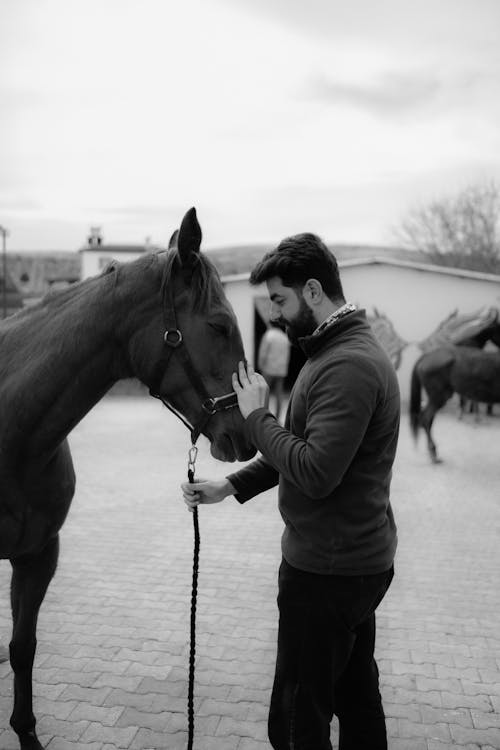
[(273, 359), (333, 461)]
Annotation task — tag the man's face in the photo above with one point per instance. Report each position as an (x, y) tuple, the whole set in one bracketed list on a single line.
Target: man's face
[(289, 310)]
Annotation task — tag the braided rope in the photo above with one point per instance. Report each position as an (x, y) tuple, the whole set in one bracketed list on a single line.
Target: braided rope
[(194, 596)]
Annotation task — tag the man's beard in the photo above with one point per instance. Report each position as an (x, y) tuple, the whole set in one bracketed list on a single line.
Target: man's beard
[(303, 324)]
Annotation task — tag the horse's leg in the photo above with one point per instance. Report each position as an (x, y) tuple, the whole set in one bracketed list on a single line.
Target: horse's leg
[(426, 420), (476, 412), (462, 407), (31, 576)]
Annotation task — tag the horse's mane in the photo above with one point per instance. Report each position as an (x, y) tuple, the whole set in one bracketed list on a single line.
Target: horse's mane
[(204, 280)]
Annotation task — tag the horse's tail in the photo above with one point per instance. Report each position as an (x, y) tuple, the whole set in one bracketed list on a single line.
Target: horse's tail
[(415, 400)]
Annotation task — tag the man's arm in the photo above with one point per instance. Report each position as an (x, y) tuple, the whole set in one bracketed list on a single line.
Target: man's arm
[(340, 404), (244, 484), (253, 479)]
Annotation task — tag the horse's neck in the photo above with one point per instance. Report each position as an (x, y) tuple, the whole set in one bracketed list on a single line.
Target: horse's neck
[(64, 362)]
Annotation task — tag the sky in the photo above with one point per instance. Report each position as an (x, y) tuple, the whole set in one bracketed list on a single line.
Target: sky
[(271, 117)]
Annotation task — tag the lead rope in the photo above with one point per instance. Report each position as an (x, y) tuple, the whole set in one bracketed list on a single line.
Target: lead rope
[(193, 452)]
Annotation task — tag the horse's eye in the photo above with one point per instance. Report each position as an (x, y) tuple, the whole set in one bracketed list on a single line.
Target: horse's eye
[(220, 328)]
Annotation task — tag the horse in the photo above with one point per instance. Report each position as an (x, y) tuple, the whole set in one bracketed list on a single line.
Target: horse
[(386, 335), (164, 319), (462, 368)]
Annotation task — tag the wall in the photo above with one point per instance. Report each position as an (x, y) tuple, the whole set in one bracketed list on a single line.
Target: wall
[(416, 301)]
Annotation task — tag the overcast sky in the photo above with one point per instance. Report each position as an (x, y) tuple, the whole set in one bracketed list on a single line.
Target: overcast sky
[(270, 116)]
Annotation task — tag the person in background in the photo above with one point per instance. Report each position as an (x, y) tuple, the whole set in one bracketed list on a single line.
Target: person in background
[(4, 653), (333, 462), (273, 359)]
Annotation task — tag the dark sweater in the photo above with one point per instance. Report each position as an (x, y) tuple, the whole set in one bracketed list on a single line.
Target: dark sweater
[(333, 458)]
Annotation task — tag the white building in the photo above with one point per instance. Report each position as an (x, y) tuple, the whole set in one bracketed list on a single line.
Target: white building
[(97, 254), (415, 297)]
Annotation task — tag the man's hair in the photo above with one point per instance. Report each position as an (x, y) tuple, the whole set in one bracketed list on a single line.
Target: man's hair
[(297, 259)]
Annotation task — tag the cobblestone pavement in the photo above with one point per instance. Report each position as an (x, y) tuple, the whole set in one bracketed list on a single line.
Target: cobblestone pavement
[(111, 665)]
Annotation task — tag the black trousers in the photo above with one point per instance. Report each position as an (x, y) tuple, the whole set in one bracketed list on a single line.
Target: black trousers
[(325, 663)]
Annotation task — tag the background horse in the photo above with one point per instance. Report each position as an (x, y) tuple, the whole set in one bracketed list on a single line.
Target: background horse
[(164, 319), (463, 369)]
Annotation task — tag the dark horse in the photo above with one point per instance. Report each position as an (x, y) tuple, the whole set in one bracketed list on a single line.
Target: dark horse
[(464, 369), (153, 319)]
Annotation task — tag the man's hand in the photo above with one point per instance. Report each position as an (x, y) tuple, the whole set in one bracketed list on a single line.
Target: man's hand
[(205, 492), (251, 389)]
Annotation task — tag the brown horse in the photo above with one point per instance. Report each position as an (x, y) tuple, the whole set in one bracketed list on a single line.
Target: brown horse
[(164, 319), (466, 370)]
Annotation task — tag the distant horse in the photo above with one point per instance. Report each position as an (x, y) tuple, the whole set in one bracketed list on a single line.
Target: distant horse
[(164, 319), (388, 338), (466, 370)]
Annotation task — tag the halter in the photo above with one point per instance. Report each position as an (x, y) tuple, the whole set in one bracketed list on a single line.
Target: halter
[(173, 340)]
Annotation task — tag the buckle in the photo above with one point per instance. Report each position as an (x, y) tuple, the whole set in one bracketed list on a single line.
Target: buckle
[(173, 342), (221, 403), (209, 406)]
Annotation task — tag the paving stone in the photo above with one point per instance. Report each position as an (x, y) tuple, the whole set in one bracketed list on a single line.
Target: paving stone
[(460, 716), (121, 736), (113, 635), (8, 740), (485, 720), (94, 696), (71, 730), (56, 708), (242, 728), (210, 707), (480, 702), (406, 668), (103, 715), (462, 735), (146, 702), (481, 688), (109, 680), (58, 743), (433, 731), (403, 711), (408, 744), (438, 745), (247, 744), (146, 739), (155, 721)]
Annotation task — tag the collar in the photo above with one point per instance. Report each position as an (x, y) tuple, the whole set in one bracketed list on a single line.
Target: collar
[(349, 321), (347, 308)]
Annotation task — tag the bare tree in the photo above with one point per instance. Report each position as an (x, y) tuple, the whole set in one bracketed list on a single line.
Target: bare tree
[(461, 231)]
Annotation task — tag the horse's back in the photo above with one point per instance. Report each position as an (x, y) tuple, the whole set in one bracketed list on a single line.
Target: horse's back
[(436, 360)]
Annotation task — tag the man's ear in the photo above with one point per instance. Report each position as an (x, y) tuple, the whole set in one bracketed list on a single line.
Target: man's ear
[(313, 292)]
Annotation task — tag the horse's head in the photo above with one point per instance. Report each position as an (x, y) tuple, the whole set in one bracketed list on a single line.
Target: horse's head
[(190, 344)]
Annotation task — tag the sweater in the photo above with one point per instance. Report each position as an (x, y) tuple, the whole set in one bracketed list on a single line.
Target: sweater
[(333, 458)]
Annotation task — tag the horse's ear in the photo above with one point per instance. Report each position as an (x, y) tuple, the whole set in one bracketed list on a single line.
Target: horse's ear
[(189, 239), (173, 240)]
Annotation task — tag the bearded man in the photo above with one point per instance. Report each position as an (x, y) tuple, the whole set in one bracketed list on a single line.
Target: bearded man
[(332, 460)]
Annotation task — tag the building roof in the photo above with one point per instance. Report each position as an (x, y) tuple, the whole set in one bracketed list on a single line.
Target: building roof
[(240, 259), (118, 248), (426, 267), (34, 273)]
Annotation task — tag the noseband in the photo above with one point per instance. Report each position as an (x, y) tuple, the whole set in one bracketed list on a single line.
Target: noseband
[(173, 341)]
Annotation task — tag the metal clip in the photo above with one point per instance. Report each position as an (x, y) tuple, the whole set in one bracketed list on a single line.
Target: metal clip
[(192, 455)]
